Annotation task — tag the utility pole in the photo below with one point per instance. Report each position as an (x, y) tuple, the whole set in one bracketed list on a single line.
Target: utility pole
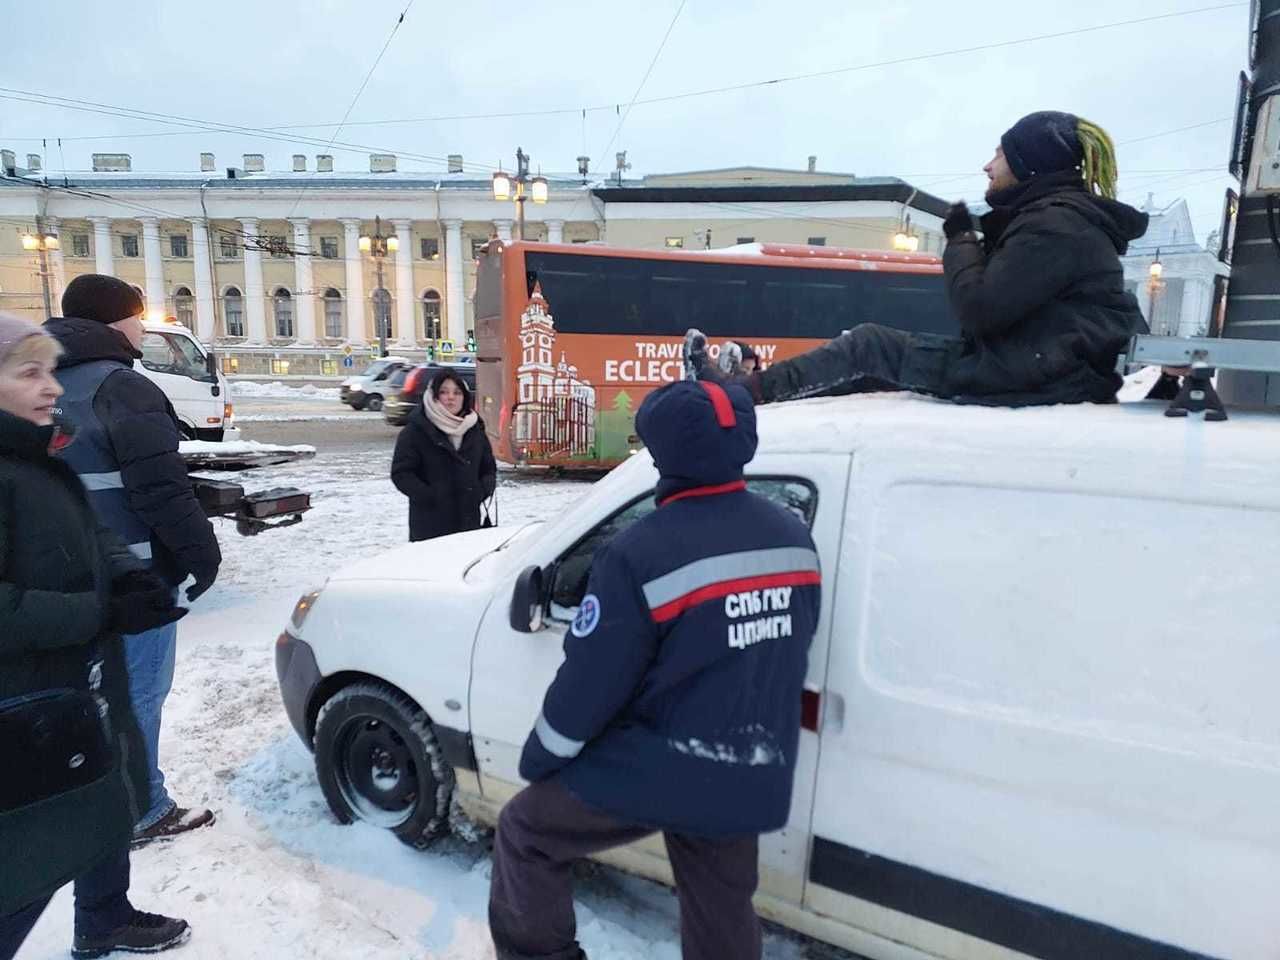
[(382, 311), (1253, 296), (42, 247)]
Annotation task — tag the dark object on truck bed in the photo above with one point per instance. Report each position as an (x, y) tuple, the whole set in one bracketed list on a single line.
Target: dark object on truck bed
[(254, 512)]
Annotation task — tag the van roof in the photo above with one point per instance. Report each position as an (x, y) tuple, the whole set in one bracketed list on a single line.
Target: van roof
[(937, 428)]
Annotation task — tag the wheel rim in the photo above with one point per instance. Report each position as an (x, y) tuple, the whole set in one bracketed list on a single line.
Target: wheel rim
[(375, 772)]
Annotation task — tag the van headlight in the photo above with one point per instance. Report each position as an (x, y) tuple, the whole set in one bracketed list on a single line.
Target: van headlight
[(302, 608)]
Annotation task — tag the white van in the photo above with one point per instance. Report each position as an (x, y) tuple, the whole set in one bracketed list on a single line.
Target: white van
[(368, 390), (175, 361), (1041, 714)]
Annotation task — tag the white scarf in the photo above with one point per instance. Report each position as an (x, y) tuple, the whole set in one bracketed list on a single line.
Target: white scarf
[(452, 426)]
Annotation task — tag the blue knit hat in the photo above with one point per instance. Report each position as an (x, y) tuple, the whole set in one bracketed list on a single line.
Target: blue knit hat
[(1044, 142)]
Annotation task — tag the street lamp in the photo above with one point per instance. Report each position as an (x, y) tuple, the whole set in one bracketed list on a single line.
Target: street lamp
[(905, 240), (1154, 286), (538, 188), (379, 246), (41, 243)]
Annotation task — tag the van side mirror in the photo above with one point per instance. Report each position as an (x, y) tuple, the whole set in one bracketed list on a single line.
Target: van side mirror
[(211, 365), (527, 601)]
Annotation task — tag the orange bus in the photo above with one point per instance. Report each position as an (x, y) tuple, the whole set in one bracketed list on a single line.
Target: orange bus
[(571, 337)]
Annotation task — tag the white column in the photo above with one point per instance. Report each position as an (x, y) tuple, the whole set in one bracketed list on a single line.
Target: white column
[(555, 231), (103, 262), (153, 264), (406, 299), (206, 312), (255, 306), (304, 294), (57, 266), (456, 303), (355, 280), (600, 230), (504, 229)]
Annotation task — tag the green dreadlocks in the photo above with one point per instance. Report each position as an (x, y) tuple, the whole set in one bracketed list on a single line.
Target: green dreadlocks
[(1098, 165)]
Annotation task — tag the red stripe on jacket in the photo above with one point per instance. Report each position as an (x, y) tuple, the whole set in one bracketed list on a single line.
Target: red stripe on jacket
[(714, 591)]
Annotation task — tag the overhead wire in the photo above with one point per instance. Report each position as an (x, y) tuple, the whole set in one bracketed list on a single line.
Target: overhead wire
[(356, 99)]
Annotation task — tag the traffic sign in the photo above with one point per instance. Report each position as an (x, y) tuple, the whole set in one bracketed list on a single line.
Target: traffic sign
[(446, 349), (348, 361), (346, 350)]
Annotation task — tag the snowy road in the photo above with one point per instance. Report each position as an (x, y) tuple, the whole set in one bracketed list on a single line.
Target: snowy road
[(277, 877)]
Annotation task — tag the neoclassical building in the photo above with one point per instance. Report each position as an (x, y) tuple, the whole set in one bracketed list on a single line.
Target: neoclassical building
[(268, 267)]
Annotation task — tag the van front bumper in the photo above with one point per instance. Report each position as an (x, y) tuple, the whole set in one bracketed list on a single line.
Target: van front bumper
[(299, 677)]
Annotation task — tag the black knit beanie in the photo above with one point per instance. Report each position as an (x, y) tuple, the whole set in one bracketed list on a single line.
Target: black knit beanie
[(1044, 142), (94, 296)]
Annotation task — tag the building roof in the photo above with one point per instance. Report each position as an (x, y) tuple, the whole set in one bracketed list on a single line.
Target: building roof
[(1170, 230)]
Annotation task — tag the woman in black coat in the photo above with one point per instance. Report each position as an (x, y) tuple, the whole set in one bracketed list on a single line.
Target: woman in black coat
[(68, 588), (443, 462)]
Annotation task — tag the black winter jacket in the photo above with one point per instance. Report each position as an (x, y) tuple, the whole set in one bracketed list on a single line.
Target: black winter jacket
[(445, 487), (1041, 299), (56, 567), (143, 433)]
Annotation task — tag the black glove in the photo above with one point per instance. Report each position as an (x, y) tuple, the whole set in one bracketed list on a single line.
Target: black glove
[(204, 580), (141, 601), (958, 221)]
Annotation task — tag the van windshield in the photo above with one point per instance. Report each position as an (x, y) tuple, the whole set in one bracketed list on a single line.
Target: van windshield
[(376, 368)]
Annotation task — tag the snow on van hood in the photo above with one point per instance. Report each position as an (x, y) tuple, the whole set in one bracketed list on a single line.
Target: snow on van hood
[(442, 560)]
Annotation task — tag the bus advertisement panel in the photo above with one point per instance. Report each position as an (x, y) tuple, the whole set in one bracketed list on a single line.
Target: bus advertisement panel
[(570, 338)]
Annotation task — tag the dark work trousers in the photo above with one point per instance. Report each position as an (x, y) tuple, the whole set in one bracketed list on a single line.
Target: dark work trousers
[(545, 828), (102, 905), (868, 357)]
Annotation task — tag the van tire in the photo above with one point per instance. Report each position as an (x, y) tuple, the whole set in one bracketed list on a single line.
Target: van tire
[(357, 403), (374, 403), (410, 787)]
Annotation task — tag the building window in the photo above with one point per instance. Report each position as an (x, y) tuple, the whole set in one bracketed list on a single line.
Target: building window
[(329, 248), (80, 245), (233, 312), (278, 246), (477, 247), (817, 241), (280, 367), (178, 245), (230, 364), (329, 368), (746, 240), (382, 312), (282, 304), (332, 314), (183, 305), (675, 243), (431, 315), (228, 247), (128, 244), (430, 248)]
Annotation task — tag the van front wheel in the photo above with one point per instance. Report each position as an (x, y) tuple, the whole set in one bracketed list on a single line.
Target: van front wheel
[(378, 760)]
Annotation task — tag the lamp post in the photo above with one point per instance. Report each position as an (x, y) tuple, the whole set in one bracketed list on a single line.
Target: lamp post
[(905, 240), (526, 187), (1154, 285), (41, 243), (379, 246)]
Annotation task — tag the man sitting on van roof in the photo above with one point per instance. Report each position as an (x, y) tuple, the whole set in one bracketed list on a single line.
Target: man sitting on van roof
[(1039, 295)]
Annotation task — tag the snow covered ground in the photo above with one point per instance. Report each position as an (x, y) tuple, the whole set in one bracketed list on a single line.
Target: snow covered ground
[(277, 877)]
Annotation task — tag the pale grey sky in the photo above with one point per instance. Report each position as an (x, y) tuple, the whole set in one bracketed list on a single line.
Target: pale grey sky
[(933, 122)]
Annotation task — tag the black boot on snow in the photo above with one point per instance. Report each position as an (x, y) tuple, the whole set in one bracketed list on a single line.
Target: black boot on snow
[(144, 933)]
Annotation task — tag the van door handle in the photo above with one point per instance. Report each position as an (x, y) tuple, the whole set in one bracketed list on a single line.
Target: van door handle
[(832, 712)]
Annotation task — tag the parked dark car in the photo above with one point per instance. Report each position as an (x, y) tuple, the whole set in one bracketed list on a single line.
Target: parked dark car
[(401, 402)]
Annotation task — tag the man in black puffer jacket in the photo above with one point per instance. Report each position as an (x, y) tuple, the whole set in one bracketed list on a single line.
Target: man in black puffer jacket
[(1039, 297), (127, 456)]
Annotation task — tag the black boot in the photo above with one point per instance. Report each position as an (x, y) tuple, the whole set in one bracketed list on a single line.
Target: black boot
[(144, 933)]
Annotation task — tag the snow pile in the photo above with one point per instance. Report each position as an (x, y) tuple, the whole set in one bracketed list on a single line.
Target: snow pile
[(248, 389), (239, 448)]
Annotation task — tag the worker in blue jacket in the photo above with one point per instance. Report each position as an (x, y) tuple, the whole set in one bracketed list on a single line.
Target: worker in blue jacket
[(677, 707)]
